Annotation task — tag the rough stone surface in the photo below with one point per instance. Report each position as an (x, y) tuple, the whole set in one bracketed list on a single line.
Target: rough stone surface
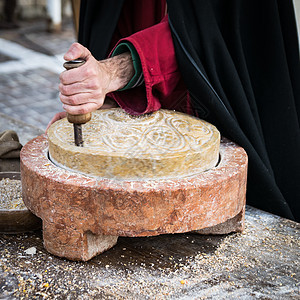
[(164, 144), (77, 204), (65, 241), (235, 224)]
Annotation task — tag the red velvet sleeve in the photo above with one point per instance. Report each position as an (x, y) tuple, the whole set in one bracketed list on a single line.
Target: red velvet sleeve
[(163, 87)]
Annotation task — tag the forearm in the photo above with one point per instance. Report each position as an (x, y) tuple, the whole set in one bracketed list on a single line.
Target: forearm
[(119, 69)]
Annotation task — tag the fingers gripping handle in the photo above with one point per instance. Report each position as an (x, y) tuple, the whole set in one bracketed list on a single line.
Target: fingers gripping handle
[(83, 118)]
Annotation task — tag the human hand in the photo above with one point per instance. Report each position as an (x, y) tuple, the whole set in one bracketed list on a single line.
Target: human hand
[(83, 89), (56, 117), (108, 103)]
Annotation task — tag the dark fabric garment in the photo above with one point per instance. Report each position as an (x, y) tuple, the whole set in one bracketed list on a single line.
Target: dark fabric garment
[(240, 62), (137, 15), (97, 23), (163, 86), (103, 23)]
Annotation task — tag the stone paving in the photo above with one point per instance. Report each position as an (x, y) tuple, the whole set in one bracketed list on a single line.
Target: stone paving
[(30, 63)]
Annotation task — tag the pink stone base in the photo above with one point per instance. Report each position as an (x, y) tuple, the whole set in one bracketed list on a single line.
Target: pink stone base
[(235, 224), (79, 212), (73, 243)]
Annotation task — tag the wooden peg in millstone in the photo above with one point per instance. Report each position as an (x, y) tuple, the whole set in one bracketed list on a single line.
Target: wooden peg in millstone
[(77, 120)]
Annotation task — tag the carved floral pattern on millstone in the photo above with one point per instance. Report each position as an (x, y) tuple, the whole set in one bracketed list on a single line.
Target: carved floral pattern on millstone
[(163, 144)]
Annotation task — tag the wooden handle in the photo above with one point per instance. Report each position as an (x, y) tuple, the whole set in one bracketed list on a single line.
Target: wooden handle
[(79, 119), (72, 64), (83, 118)]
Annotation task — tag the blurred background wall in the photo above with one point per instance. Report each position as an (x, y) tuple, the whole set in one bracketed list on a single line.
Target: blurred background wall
[(32, 9)]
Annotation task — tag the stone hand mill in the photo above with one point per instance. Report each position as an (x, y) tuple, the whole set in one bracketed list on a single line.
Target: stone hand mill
[(164, 172)]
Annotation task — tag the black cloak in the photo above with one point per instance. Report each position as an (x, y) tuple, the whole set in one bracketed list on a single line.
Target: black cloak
[(240, 62)]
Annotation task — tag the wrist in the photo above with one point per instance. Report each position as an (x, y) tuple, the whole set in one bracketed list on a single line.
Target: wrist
[(119, 69)]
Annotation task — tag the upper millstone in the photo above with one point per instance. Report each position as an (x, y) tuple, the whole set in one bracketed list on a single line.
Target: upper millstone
[(163, 144)]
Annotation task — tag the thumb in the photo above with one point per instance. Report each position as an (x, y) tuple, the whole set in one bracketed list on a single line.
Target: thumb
[(77, 51), (56, 117)]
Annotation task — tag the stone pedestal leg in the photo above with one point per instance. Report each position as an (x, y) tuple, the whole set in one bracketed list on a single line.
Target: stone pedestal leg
[(74, 244), (235, 224)]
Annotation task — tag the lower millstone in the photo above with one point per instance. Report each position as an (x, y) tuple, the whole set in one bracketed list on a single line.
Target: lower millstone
[(83, 216)]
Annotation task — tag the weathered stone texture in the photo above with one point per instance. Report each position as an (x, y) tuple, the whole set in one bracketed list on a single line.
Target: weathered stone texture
[(75, 209), (164, 144)]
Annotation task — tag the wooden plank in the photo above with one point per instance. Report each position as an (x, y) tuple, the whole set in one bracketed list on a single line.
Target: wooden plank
[(261, 263)]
